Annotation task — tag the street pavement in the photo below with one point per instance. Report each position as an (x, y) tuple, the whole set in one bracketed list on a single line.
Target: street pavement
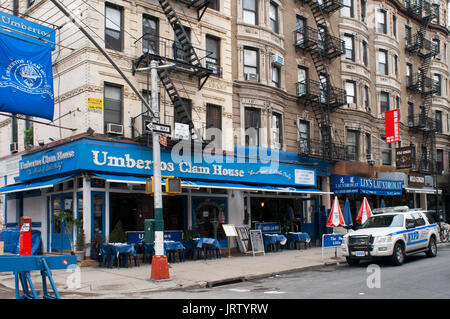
[(98, 282)]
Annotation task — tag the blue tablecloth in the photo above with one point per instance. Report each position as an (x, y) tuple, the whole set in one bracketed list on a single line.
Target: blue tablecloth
[(297, 236), (120, 248), (199, 242), (274, 238), (11, 238), (173, 245)]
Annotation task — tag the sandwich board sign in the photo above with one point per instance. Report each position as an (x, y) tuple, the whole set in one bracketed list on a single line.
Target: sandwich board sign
[(257, 242), (230, 231)]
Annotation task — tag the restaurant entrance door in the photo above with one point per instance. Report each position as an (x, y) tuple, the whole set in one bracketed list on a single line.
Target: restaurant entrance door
[(209, 213), (60, 239), (309, 216)]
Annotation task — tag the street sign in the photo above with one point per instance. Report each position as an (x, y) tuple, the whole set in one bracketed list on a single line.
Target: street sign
[(159, 128)]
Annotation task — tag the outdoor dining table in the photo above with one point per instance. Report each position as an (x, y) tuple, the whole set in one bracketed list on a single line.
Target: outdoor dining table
[(115, 250), (273, 240), (170, 248), (295, 237), (208, 245)]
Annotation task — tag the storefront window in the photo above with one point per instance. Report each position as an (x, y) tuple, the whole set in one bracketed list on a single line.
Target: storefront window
[(98, 213), (208, 216)]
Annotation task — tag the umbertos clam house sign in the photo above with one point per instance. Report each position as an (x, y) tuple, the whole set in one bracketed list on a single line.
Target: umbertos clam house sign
[(131, 159)]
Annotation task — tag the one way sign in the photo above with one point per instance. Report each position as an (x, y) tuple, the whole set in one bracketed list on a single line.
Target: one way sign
[(159, 128)]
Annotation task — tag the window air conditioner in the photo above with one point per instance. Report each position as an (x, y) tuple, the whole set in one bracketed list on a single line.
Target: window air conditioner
[(252, 77), (277, 59), (112, 128), (371, 158), (13, 147)]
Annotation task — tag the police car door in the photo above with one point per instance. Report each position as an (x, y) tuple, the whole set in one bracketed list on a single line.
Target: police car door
[(412, 234), (422, 229)]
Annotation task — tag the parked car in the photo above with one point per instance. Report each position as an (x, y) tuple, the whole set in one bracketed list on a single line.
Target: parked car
[(394, 234)]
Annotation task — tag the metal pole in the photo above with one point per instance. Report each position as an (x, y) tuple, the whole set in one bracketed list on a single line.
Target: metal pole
[(72, 18), (158, 204)]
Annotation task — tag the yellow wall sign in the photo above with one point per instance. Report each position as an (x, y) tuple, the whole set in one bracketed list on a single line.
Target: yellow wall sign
[(94, 103)]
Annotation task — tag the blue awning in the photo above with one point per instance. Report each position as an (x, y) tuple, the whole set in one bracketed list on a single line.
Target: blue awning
[(21, 187), (129, 179), (252, 188), (204, 184)]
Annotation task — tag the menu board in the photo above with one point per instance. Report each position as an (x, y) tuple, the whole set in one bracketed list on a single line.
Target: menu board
[(230, 230), (257, 242)]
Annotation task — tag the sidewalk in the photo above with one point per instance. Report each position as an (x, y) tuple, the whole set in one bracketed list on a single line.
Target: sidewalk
[(100, 282)]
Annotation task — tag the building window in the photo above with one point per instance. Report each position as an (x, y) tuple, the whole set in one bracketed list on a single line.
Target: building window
[(302, 78), (349, 42), (252, 126), (386, 152), (214, 124), (182, 117), (150, 43), (363, 10), (249, 10), (178, 51), (436, 9), (352, 145), (273, 16), (410, 113), (394, 26), (113, 27), (365, 53), (347, 9), (112, 109), (437, 45), (276, 75), (30, 3), (383, 62), (409, 72), (396, 65), (439, 161), (438, 117), (277, 130), (251, 70), (384, 102), (304, 131), (213, 54), (350, 90), (408, 35), (214, 4), (366, 98), (381, 21), (368, 143), (438, 80)]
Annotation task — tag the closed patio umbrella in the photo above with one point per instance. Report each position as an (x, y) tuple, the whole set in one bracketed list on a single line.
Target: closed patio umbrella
[(348, 214), (364, 212), (336, 218)]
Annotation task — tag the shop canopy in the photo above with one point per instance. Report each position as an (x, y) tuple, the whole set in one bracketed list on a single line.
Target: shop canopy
[(199, 184), (21, 187), (343, 184)]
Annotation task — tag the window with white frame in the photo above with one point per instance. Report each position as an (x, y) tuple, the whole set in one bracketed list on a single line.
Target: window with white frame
[(349, 44), (381, 21), (277, 130), (113, 27), (250, 11), (251, 63), (350, 90), (383, 67), (273, 17), (347, 10)]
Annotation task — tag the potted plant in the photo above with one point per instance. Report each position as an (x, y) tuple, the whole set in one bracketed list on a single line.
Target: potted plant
[(69, 222), (28, 136), (81, 244)]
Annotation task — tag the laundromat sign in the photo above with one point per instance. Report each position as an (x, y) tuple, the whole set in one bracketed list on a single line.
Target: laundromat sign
[(132, 159)]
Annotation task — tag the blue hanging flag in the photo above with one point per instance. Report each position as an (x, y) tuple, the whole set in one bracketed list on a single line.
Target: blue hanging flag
[(26, 78)]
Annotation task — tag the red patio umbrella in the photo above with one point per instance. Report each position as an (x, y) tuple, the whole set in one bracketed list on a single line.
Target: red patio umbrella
[(364, 212), (336, 218)]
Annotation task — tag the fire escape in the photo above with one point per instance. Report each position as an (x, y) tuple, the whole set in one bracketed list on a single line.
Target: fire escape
[(321, 95), (183, 55), (422, 84)]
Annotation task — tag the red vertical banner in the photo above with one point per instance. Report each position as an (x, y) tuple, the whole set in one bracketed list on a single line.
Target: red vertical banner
[(392, 122)]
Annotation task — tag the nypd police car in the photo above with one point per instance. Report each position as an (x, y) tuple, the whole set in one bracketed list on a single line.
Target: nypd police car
[(394, 232)]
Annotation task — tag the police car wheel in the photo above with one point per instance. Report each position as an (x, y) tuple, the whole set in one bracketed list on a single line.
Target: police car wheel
[(352, 261), (398, 257), (432, 248)]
